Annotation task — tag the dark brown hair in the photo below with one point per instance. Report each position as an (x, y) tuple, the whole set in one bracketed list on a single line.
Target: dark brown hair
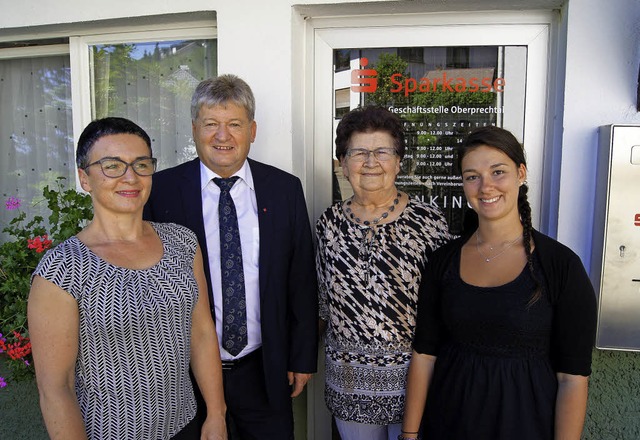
[(366, 120), (506, 142)]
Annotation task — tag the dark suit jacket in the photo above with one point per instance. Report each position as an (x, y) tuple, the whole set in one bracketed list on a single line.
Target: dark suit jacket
[(287, 276)]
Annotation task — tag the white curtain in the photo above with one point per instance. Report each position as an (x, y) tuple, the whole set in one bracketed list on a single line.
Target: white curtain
[(36, 139)]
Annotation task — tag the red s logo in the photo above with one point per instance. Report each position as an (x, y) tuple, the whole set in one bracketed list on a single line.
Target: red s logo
[(364, 80), (637, 220)]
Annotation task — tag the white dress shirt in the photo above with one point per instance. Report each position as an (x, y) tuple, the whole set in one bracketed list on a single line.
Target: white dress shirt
[(244, 198)]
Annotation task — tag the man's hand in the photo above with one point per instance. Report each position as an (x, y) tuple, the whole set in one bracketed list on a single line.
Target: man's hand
[(298, 381)]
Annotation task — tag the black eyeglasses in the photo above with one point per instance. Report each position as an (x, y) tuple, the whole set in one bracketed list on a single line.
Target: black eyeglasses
[(114, 167)]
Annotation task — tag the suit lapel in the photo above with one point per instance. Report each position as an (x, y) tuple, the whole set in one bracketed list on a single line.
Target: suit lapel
[(192, 199), (266, 214), (191, 195)]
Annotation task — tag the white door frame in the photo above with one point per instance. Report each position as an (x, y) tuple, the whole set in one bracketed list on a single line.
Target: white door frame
[(316, 93)]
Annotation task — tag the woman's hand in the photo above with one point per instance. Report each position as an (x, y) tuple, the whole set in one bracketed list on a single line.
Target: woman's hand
[(418, 381), (214, 428)]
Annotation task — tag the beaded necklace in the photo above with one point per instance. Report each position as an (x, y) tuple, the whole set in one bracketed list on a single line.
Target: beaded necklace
[(375, 221)]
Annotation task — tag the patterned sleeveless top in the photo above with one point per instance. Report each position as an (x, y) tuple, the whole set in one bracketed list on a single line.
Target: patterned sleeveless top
[(132, 372)]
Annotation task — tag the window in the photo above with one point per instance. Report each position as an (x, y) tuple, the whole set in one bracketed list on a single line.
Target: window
[(411, 54), (458, 57), (51, 88), (151, 83), (437, 117), (35, 126), (342, 60), (342, 100)]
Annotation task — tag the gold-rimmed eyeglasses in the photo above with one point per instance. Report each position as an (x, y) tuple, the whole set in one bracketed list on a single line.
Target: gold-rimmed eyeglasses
[(362, 154), (114, 167)]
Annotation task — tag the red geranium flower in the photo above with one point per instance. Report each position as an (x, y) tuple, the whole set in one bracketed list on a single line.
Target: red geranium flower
[(39, 243), (18, 349)]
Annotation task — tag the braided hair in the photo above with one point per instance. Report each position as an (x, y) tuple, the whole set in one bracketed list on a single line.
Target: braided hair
[(506, 142)]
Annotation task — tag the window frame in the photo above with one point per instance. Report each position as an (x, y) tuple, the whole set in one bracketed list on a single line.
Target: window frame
[(183, 26), (34, 51), (81, 62)]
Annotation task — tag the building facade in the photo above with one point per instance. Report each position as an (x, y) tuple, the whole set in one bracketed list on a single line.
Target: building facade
[(141, 60)]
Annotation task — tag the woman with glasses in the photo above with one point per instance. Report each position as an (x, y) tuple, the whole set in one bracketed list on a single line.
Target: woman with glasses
[(119, 312), (372, 249)]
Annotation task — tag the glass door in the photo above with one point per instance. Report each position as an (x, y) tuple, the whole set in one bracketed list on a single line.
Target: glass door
[(442, 81), (443, 74), (441, 93)]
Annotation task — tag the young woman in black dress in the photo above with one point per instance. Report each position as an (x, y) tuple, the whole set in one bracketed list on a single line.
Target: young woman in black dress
[(506, 317)]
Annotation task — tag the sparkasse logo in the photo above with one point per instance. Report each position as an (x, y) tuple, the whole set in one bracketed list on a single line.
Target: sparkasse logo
[(446, 83), (364, 80), (451, 80)]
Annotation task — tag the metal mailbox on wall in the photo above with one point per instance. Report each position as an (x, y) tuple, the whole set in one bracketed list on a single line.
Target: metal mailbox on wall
[(616, 259)]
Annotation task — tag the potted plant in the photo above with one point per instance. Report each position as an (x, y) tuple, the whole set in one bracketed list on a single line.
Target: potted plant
[(29, 239)]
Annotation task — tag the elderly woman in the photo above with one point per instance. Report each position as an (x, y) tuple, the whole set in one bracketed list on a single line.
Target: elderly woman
[(118, 312), (372, 249)]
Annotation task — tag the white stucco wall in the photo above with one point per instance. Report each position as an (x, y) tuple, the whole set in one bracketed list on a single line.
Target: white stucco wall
[(254, 42), (257, 41), (603, 57)]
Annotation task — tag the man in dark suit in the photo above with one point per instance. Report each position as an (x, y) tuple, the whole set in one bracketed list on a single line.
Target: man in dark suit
[(273, 353)]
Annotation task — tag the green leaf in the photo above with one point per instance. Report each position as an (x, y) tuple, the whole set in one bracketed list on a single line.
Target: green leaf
[(70, 210)]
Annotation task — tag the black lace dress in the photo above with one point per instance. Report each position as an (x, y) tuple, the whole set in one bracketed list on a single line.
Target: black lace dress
[(493, 377)]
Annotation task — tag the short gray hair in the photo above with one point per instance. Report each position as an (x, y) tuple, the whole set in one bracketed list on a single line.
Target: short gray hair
[(221, 90)]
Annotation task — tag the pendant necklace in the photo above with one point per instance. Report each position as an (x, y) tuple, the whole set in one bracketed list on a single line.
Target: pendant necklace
[(375, 221), (488, 259)]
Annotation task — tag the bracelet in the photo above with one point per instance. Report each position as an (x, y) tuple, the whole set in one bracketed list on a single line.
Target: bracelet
[(400, 437), (407, 432)]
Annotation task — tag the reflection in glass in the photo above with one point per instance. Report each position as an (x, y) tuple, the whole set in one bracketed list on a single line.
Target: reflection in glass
[(441, 93), (341, 59), (151, 83)]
